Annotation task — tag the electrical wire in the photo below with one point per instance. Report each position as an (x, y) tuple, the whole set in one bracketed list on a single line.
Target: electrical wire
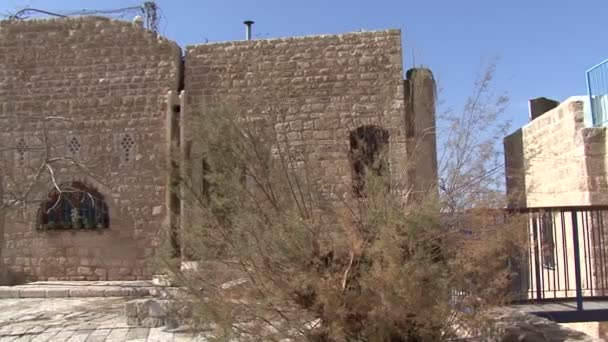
[(148, 9)]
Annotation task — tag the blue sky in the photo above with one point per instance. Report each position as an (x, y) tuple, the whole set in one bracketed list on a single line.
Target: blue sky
[(544, 46)]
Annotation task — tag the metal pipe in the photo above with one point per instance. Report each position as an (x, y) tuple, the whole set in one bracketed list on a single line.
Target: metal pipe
[(248, 24)]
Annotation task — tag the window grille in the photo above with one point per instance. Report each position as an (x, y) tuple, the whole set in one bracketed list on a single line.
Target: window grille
[(76, 206)]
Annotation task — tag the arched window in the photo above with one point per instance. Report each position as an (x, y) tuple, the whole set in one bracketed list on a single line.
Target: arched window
[(368, 146), (76, 206)]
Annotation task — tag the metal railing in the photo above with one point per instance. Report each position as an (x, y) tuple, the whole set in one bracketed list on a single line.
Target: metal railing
[(597, 88), (567, 257)]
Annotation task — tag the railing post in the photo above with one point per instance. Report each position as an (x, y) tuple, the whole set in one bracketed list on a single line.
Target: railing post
[(591, 110), (577, 261), (537, 270), (597, 89)]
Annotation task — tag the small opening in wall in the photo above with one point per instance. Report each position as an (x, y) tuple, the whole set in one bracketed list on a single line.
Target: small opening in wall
[(368, 145), (21, 149), (176, 108), (126, 143), (74, 146)]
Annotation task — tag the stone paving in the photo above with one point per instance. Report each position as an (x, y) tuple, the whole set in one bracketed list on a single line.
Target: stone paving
[(77, 319)]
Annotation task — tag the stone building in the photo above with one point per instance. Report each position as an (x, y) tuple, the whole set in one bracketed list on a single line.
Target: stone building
[(556, 172), (557, 159), (115, 101)]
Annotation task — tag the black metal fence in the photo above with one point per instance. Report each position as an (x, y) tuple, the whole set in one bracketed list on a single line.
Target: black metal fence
[(567, 257)]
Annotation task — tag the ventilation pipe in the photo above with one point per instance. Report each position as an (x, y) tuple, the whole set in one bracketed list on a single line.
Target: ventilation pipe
[(248, 24)]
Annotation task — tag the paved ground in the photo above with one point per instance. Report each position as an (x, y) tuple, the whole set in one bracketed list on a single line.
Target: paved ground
[(76, 319)]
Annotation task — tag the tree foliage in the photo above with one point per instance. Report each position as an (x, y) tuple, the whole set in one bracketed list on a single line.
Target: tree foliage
[(280, 258)]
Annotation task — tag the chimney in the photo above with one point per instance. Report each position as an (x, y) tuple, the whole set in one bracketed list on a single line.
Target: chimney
[(248, 24), (540, 106)]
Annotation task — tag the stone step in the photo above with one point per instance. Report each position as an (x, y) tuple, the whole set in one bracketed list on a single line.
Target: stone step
[(155, 312), (81, 289)]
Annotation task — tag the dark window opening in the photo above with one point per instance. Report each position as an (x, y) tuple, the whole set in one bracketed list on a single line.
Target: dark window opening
[(368, 146), (174, 199), (547, 241), (77, 206)]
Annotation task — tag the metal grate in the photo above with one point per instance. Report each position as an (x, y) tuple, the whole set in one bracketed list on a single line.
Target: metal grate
[(568, 255)]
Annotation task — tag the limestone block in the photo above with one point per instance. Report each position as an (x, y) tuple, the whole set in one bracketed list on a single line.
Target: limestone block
[(133, 321), (117, 292), (8, 292), (152, 322), (32, 293), (131, 309), (89, 292), (57, 293)]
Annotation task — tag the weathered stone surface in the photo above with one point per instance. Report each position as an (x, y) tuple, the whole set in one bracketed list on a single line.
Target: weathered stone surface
[(114, 80), (8, 292), (137, 333), (511, 325), (152, 322), (32, 293), (109, 78), (130, 309), (555, 160), (157, 309), (316, 91), (85, 270), (87, 292), (117, 292), (57, 293)]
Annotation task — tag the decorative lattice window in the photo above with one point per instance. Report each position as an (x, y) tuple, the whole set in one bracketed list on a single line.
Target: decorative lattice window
[(127, 146), (73, 146), (21, 148), (76, 206)]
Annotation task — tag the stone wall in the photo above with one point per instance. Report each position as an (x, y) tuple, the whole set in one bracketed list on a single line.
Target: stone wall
[(315, 90), (110, 79), (556, 161), (114, 81)]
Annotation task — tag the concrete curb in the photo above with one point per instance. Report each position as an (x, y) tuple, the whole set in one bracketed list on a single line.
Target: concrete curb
[(77, 292)]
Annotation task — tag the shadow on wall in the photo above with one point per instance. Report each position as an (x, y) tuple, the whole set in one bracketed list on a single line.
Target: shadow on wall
[(11, 278), (515, 170), (515, 174)]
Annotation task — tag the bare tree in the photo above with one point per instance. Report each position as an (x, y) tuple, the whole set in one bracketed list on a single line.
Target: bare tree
[(471, 162), (17, 184), (33, 165)]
